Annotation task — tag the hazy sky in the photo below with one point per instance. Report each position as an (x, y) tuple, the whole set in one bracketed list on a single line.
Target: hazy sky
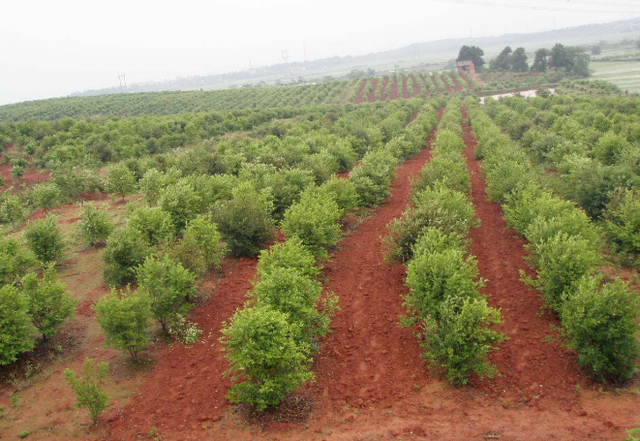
[(52, 48)]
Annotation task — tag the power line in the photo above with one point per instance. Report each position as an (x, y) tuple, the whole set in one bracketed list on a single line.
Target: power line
[(596, 3), (536, 8)]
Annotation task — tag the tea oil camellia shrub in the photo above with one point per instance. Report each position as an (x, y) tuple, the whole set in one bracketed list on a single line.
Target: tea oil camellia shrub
[(124, 252), (600, 320), (89, 388), (169, 286), (124, 317), (267, 359), (44, 238), (50, 304), (245, 220), (16, 332), (314, 220), (94, 225)]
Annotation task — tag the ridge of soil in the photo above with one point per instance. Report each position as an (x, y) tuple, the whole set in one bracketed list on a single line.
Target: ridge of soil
[(532, 360), (395, 93), (359, 92), (368, 360), (416, 88), (372, 94), (405, 89), (446, 86), (466, 80), (458, 87), (383, 92)]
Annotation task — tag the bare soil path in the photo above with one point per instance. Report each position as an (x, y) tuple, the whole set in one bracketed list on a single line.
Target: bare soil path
[(368, 360), (395, 89), (456, 84), (532, 362), (359, 92), (372, 94)]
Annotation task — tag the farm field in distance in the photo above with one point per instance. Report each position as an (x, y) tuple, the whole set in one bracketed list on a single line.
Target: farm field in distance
[(624, 74), (383, 257)]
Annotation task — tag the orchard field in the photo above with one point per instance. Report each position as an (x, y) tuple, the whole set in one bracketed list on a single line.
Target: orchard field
[(370, 259)]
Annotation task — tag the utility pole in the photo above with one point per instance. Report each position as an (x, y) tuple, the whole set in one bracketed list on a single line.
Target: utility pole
[(122, 79), (250, 65)]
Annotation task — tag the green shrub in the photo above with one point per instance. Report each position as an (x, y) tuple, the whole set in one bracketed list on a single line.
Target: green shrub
[(289, 254), (15, 260), (94, 225), (245, 221), (15, 325), (182, 203), (506, 177), (89, 388), (50, 304), (201, 247), (124, 252), (154, 225), (342, 191), (46, 195), (44, 239), (12, 210), (601, 323), (448, 170), (169, 286), (120, 181), (315, 221), (437, 207), (622, 221), (267, 360), (288, 291), (124, 318), (611, 148), (560, 262), (434, 277), (461, 339), (372, 178)]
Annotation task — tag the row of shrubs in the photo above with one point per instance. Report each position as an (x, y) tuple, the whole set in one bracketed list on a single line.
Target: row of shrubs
[(271, 341), (599, 317), (593, 151), (444, 300)]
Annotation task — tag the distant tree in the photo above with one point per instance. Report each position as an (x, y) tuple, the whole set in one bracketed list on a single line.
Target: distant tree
[(541, 61), (472, 53), (519, 60), (560, 57), (596, 50), (503, 60)]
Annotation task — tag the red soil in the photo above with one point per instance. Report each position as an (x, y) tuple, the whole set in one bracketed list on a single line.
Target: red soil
[(383, 92), (31, 177), (446, 86), (359, 92), (526, 363), (368, 360), (416, 88), (405, 92), (186, 387), (372, 94), (466, 80), (371, 383), (456, 84), (393, 95)]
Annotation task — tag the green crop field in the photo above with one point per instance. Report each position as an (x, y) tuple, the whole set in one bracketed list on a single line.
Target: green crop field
[(624, 74)]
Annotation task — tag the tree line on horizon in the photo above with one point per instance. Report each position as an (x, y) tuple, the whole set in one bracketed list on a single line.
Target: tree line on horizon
[(572, 59)]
